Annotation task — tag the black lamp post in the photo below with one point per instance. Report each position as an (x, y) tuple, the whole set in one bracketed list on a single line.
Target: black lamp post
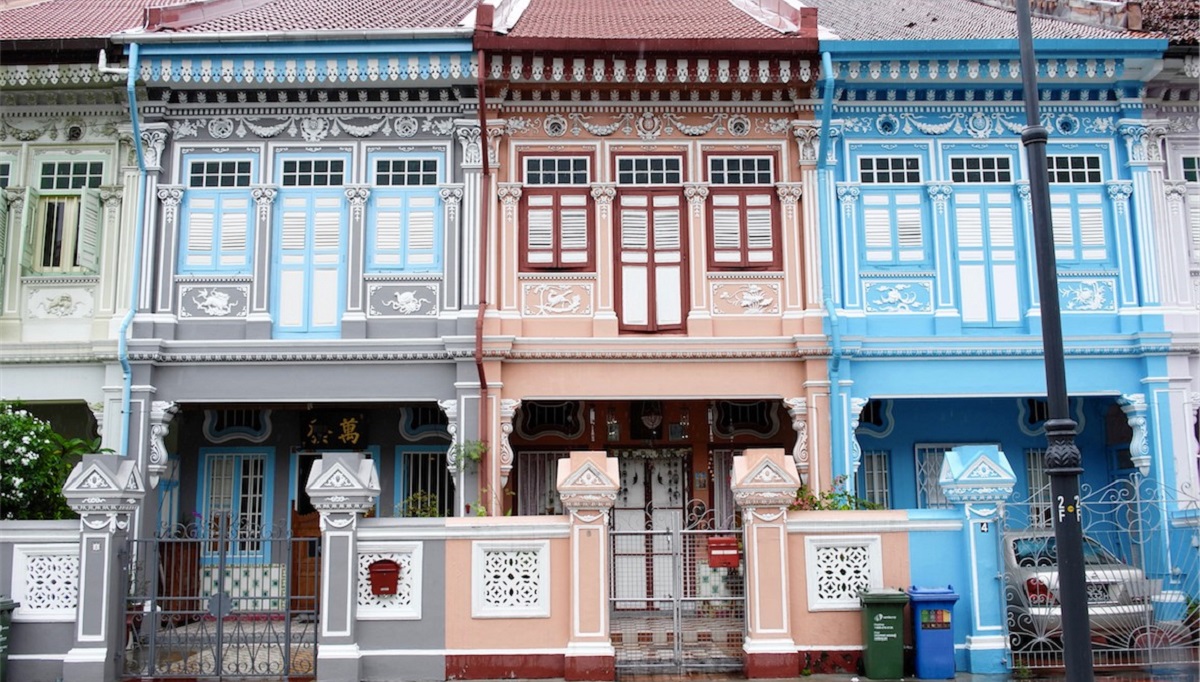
[(1062, 455)]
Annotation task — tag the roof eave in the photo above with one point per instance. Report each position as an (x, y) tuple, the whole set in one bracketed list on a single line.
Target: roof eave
[(452, 32), (510, 44)]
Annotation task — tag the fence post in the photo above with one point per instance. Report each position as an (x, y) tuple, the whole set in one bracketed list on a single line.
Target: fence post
[(105, 490), (342, 486), (764, 484), (588, 485), (977, 479)]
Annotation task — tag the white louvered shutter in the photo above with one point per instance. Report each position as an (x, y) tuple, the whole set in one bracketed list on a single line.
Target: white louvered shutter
[(635, 256), (760, 228), (573, 229), (668, 260), (539, 229), (727, 228), (87, 239), (422, 227)]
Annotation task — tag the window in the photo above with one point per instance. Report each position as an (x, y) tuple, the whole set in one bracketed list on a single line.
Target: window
[(742, 220), (891, 170), (404, 230), (235, 512), (5, 173), (893, 228), (556, 170), (980, 169), (537, 481), (929, 469), (875, 480), (650, 170), (313, 172), (217, 217), (1038, 482), (63, 228), (1074, 170), (650, 260), (1191, 168), (1079, 226), (424, 488), (556, 214)]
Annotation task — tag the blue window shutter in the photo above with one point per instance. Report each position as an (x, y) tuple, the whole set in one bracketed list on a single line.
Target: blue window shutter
[(216, 227)]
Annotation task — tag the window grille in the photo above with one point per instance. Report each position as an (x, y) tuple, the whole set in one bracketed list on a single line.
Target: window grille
[(875, 479), (1039, 488), (929, 469), (537, 481), (426, 488)]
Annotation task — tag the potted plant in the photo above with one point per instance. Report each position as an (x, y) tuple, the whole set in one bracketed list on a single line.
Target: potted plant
[(466, 455)]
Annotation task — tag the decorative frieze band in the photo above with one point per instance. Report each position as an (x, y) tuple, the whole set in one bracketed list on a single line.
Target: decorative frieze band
[(518, 68)]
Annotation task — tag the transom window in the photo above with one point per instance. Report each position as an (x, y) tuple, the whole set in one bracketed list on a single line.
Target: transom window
[(313, 172), (889, 169), (980, 169), (650, 170), (5, 171), (751, 170), (556, 170), (1191, 168), (1074, 170), (71, 174), (406, 172), (219, 174)]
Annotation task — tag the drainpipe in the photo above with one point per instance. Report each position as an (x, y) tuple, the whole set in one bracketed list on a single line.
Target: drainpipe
[(836, 415), (139, 230), (484, 204)]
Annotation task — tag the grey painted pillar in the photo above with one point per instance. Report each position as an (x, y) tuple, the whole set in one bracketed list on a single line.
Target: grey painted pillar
[(105, 490), (354, 319), (342, 486), (258, 321)]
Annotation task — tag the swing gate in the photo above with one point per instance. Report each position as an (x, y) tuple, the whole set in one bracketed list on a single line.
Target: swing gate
[(670, 609), (215, 602)]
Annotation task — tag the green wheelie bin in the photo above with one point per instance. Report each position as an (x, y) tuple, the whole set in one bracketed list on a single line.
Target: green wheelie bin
[(883, 633)]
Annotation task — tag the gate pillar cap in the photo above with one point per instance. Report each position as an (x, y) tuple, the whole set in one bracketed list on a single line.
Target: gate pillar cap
[(343, 481), (104, 483), (588, 480), (764, 477), (976, 473)]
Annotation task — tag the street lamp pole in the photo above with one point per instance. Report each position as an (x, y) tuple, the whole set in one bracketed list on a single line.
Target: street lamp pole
[(1062, 455)]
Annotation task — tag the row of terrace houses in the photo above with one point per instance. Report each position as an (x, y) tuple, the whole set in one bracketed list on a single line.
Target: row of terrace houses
[(455, 339)]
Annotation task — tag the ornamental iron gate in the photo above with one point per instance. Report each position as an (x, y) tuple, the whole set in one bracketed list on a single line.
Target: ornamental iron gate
[(672, 608), (222, 601), (1142, 566)]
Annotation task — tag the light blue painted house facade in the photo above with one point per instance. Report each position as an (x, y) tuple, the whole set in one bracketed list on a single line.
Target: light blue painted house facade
[(931, 289)]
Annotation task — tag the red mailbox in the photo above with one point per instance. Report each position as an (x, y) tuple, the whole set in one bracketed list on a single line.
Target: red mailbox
[(723, 552), (385, 576)]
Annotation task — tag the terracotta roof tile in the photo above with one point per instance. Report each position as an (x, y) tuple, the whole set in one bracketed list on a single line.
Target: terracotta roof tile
[(1178, 19), (938, 20), (649, 19), (311, 15), (66, 19)]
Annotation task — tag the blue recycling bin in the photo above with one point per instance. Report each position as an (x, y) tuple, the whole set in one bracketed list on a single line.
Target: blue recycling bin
[(933, 631)]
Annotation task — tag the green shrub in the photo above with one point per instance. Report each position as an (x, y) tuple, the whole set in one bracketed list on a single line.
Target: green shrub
[(34, 463), (837, 498)]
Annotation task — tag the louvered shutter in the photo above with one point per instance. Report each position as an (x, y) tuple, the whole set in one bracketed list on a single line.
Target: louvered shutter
[(668, 260), (421, 246), (539, 230), (293, 243), (388, 225), (910, 240), (87, 238), (760, 229), (1092, 242), (326, 285), (574, 245), (635, 256), (1193, 217), (4, 229), (1062, 218), (1005, 274), (31, 210), (199, 229), (877, 228), (234, 248), (727, 229)]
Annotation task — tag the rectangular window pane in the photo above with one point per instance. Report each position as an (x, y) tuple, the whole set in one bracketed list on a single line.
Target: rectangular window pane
[(219, 174), (406, 172), (556, 170), (980, 170), (752, 170), (650, 170), (1074, 170), (71, 175), (876, 480), (889, 169), (313, 173), (1191, 168)]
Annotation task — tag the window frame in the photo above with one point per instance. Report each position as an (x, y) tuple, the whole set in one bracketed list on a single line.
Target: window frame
[(265, 495), (679, 156), (400, 257), (555, 193), (744, 191), (983, 158), (80, 224), (220, 262)]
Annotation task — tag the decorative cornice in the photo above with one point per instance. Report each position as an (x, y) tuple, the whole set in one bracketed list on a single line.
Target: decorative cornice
[(291, 69), (24, 75), (311, 127), (681, 70), (1008, 70)]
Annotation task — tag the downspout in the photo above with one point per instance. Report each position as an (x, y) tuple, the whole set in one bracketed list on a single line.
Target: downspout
[(484, 205), (824, 181), (139, 231)]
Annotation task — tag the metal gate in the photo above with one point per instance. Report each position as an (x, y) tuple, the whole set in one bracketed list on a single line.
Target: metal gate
[(671, 609), (217, 602), (1142, 559)]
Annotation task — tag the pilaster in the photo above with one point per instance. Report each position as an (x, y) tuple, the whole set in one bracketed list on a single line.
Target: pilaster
[(978, 478), (699, 320), (587, 485), (342, 486), (106, 491), (452, 203), (258, 320), (354, 318), (604, 321), (947, 318), (764, 484)]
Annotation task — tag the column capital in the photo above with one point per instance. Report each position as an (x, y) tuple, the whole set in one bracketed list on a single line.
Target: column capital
[(588, 481), (342, 485), (764, 481)]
